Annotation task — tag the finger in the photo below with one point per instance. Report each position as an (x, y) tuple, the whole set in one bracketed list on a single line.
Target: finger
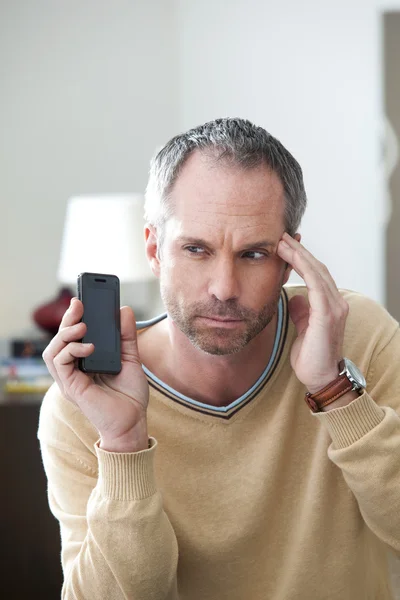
[(60, 340), (73, 333), (129, 347), (313, 262), (316, 276), (73, 380), (338, 303), (73, 314), (319, 294), (299, 310)]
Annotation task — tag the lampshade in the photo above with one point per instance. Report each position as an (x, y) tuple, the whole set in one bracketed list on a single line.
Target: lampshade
[(104, 234)]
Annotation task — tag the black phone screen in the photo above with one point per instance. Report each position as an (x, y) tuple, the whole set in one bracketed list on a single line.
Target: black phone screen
[(100, 296), (99, 315)]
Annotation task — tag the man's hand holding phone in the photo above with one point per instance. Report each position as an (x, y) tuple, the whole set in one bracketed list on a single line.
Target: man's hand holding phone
[(115, 404)]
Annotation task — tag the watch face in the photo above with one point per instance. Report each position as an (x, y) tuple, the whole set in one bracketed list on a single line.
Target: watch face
[(355, 374)]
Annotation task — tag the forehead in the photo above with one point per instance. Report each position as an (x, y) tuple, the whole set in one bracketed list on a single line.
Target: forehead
[(216, 196)]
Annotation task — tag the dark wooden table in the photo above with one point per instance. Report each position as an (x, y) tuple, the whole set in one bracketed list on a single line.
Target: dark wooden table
[(30, 565)]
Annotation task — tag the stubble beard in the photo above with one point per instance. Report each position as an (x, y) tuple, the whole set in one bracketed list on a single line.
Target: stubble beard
[(218, 341)]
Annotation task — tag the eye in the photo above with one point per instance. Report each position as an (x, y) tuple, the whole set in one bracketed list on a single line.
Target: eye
[(255, 255), (194, 250)]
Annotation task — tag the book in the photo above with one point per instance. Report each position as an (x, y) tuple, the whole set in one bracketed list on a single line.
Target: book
[(24, 375)]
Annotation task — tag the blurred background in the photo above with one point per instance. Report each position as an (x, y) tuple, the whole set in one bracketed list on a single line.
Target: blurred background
[(89, 91)]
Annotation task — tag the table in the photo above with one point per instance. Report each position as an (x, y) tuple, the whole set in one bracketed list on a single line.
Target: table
[(29, 534)]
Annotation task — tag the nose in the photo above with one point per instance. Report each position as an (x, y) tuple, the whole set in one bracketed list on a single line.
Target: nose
[(224, 283)]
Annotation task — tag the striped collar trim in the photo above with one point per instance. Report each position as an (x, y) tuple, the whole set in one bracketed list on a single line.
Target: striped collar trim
[(226, 412)]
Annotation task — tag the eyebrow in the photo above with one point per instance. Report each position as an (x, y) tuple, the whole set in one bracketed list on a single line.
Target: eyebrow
[(201, 242)]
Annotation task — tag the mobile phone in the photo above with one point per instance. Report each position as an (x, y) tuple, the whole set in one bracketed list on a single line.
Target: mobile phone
[(100, 296)]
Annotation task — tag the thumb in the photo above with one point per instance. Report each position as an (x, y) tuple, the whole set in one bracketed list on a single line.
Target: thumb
[(299, 311), (128, 332)]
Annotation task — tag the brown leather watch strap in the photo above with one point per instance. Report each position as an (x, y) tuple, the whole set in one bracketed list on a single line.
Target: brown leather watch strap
[(330, 393)]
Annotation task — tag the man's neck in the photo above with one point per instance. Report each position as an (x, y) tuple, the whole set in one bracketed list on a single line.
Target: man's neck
[(211, 379)]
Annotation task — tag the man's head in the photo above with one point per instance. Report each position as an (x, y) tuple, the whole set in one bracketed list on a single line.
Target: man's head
[(218, 200)]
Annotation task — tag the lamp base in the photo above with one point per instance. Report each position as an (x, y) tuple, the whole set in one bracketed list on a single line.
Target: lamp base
[(49, 315)]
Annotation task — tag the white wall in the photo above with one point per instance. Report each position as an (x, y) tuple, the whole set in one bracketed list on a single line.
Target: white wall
[(88, 90), (310, 73)]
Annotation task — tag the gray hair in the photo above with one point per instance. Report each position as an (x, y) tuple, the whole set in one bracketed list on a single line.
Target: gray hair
[(237, 142)]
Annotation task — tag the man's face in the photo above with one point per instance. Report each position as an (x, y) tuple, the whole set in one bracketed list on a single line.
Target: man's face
[(220, 277)]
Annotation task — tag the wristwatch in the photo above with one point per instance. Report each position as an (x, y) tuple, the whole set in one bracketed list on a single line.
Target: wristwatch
[(350, 379)]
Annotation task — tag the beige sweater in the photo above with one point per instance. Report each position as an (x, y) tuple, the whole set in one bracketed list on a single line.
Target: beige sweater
[(260, 500)]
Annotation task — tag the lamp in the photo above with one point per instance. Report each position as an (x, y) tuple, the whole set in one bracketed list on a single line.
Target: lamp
[(102, 234)]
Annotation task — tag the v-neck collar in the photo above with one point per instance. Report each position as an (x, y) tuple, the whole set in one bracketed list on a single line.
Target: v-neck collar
[(226, 412)]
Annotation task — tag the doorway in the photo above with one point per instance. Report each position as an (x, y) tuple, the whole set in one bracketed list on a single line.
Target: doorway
[(392, 157)]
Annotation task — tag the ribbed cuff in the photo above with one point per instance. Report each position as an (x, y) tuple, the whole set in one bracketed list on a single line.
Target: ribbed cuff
[(349, 423), (126, 475)]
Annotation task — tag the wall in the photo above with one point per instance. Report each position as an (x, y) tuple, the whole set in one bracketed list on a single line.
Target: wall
[(88, 91), (310, 72)]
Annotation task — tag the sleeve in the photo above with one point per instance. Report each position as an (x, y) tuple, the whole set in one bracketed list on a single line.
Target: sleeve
[(117, 541), (366, 444)]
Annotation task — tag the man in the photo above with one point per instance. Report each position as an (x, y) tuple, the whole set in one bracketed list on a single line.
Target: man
[(243, 491)]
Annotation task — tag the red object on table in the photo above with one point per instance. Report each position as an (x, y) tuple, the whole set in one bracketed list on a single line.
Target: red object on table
[(48, 316)]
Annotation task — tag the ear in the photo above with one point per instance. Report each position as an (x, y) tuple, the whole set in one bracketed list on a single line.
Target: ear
[(289, 268), (151, 242)]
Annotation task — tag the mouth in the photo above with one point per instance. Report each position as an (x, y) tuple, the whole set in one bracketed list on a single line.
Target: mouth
[(221, 321)]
